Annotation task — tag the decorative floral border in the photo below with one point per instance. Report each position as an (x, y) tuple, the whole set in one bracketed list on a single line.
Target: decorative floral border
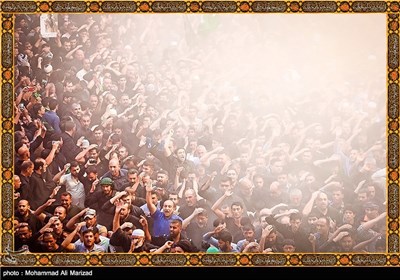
[(8, 258)]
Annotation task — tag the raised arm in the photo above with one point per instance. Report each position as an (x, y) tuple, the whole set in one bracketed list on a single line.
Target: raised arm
[(145, 225), (39, 211), (368, 225), (66, 244), (265, 232), (150, 205), (187, 221), (217, 204), (360, 246), (50, 157), (116, 221), (72, 222), (58, 176), (309, 205)]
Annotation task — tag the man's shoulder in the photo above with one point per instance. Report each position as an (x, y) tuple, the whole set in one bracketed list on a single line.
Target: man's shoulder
[(176, 217), (65, 176), (107, 174)]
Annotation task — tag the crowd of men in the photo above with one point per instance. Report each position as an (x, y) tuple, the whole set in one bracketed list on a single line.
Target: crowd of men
[(124, 144)]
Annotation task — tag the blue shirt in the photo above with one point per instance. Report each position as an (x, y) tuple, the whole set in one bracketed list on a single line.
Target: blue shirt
[(52, 119), (161, 223)]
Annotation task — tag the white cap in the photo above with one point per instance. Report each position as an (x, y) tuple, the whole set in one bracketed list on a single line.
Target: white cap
[(138, 232), (48, 68), (85, 143)]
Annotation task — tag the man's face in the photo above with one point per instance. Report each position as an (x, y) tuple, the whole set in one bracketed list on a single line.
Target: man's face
[(295, 224), (125, 101), (69, 87), (192, 145), (106, 189), (174, 229), (24, 233), (23, 207), (90, 221), (85, 121), (92, 176), (128, 199), (168, 208), (74, 171), (371, 192), (107, 82), (123, 152), (277, 167), (88, 239), (94, 100), (246, 188), (17, 182), (114, 167), (232, 174), (288, 248), (60, 212), (295, 198), (371, 212), (244, 157), (226, 185), (93, 154), (29, 171), (154, 199), (248, 234), (348, 217), (322, 226), (49, 242), (263, 222), (124, 212), (76, 110), (177, 249), (66, 201), (362, 197), (283, 179), (237, 211), (73, 43), (312, 221), (271, 238), (162, 178), (67, 46), (132, 178), (181, 154), (174, 198), (57, 227), (86, 64), (41, 111), (98, 135), (337, 196), (200, 150), (190, 199), (346, 243), (137, 240), (147, 169), (201, 220), (223, 245), (322, 201)]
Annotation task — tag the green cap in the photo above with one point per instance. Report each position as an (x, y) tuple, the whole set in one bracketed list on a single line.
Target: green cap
[(106, 181), (212, 249)]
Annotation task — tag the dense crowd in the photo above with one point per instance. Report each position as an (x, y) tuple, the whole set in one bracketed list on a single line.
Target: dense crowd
[(129, 139)]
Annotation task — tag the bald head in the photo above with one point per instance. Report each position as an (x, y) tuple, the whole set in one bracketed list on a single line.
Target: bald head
[(114, 166)]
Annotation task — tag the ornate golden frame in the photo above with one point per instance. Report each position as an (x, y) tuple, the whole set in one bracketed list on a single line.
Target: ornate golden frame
[(389, 259)]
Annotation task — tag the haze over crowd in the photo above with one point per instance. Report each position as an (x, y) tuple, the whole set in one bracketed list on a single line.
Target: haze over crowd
[(200, 133)]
